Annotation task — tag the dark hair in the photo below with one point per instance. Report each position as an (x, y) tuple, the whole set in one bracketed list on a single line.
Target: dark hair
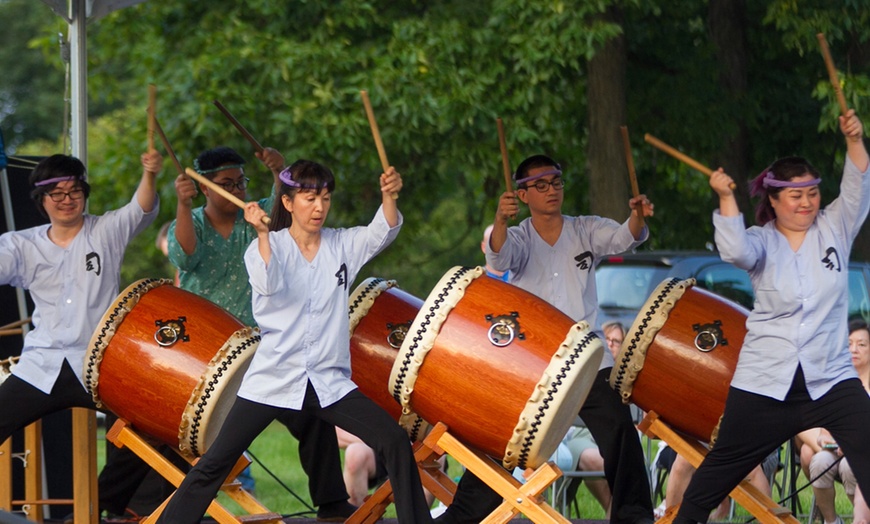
[(216, 157), (312, 177), (56, 166), (783, 169), (857, 324), (533, 162)]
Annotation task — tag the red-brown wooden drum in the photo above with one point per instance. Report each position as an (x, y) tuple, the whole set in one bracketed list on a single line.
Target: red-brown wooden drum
[(679, 356), (380, 315), (503, 369), (169, 362), (9, 363)]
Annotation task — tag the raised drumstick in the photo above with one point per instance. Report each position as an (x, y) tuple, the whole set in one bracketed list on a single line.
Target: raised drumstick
[(832, 73), (505, 163), (257, 147), (376, 133), (152, 114), (680, 156), (221, 191), (168, 147), (635, 190)]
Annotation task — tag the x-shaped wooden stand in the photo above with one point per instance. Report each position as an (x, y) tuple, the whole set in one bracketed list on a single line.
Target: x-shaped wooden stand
[(760, 505), (518, 498), (122, 435)]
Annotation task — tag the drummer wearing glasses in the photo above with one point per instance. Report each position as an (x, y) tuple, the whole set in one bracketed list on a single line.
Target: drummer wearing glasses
[(553, 256)]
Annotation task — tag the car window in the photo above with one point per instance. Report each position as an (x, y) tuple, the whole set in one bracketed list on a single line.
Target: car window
[(627, 286), (727, 281), (859, 301)]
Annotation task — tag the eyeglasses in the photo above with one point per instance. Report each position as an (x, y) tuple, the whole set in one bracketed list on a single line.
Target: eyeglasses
[(542, 185), (617, 341), (241, 184), (59, 196)]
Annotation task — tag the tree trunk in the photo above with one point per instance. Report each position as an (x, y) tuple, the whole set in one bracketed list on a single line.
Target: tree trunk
[(609, 188), (726, 21)]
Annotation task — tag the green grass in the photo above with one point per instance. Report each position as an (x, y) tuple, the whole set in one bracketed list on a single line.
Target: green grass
[(278, 451)]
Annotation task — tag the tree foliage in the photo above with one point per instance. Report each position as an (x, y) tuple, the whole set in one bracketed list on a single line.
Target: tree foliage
[(439, 73)]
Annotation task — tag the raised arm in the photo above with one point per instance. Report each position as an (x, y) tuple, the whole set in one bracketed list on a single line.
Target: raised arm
[(146, 193), (507, 209), (254, 215), (853, 130), (391, 183), (272, 159), (185, 233), (721, 184), (640, 207)]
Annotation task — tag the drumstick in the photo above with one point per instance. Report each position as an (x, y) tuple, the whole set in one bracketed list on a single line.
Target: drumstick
[(219, 190), (5, 332), (152, 114), (239, 126), (376, 134), (631, 174), (680, 156), (505, 163), (168, 147), (832, 72), (16, 324)]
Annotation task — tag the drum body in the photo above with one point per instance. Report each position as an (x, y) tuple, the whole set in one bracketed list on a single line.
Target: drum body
[(169, 362), (679, 356), (503, 369), (380, 316), (6, 366)]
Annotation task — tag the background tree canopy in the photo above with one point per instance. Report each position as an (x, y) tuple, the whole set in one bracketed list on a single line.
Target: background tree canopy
[(730, 83)]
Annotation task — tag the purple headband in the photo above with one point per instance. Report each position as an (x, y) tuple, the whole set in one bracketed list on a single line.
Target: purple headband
[(53, 180), (539, 175), (286, 176), (768, 180)]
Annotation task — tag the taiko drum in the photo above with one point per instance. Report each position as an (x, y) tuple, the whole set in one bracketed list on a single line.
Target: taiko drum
[(503, 369), (679, 356), (169, 362), (380, 315)]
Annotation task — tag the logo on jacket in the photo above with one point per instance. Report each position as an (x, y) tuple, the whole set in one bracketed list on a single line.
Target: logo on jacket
[(832, 259), (341, 275), (584, 261), (92, 263)]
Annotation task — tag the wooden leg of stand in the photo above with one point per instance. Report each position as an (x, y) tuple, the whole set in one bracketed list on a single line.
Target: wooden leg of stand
[(33, 469), (757, 503), (85, 500), (433, 479), (121, 435), (6, 475), (519, 498)]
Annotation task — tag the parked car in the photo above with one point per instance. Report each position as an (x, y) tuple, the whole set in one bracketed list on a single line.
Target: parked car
[(626, 281)]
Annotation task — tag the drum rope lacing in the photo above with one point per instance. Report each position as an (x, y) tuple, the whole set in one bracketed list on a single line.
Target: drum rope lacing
[(406, 362), (545, 403), (632, 346)]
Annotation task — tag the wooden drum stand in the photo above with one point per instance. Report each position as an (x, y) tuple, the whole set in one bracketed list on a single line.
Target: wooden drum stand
[(518, 498), (760, 505)]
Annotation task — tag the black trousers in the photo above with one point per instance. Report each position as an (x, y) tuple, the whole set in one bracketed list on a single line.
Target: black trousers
[(611, 425), (754, 425), (21, 404), (355, 413)]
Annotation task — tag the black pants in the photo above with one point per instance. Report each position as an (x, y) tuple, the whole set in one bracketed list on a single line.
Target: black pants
[(611, 425), (355, 413), (22, 404), (754, 425)]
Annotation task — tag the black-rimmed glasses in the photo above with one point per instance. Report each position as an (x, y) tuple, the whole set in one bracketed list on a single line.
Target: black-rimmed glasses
[(59, 196), (543, 185), (241, 184)]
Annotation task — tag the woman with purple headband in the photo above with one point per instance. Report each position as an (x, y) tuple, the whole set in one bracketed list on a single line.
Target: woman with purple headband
[(300, 273), (794, 371)]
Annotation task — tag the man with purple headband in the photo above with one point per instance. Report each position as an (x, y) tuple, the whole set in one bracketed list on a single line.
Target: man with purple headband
[(72, 268), (554, 256), (208, 245), (795, 371)]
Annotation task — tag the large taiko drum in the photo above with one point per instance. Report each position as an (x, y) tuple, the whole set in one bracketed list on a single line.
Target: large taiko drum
[(380, 316), (503, 369), (169, 362), (679, 356)]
